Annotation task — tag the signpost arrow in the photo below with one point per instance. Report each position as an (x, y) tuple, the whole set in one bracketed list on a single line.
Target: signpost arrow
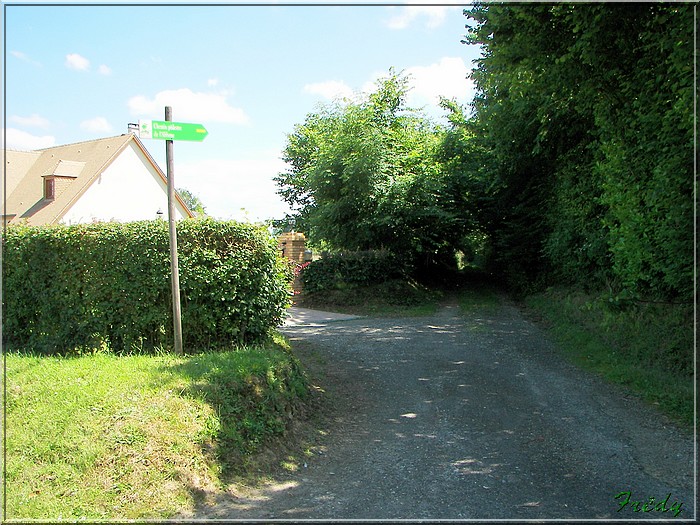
[(166, 130)]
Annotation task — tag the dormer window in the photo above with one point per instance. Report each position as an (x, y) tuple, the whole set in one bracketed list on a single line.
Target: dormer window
[(50, 188), (57, 180)]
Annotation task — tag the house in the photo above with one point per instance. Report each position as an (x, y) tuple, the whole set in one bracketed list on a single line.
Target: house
[(110, 179)]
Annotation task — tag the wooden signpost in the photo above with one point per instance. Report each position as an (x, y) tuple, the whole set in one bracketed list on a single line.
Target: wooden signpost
[(170, 131)]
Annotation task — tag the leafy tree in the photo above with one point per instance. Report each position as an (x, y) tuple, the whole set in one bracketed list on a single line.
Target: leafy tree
[(646, 155), (585, 111), (192, 201), (464, 164), (365, 174)]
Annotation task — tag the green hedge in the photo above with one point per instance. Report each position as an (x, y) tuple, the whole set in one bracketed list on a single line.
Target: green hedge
[(107, 285), (347, 269)]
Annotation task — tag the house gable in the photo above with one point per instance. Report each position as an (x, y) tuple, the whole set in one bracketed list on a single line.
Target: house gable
[(56, 184), (129, 189)]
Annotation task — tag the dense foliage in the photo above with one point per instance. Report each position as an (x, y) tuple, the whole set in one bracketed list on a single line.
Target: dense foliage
[(107, 285), (574, 166), (586, 111), (351, 269), (365, 174)]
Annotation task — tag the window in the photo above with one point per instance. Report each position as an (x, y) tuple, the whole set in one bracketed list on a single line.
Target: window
[(49, 188)]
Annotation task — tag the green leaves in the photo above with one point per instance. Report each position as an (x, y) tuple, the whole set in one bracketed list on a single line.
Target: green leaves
[(86, 287), (585, 112), (352, 269), (577, 165), (369, 175)]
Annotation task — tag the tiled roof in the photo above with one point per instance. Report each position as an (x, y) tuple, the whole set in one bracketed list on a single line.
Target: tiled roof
[(82, 161)]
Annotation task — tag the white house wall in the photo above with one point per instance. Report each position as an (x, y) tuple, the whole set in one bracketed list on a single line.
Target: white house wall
[(130, 189)]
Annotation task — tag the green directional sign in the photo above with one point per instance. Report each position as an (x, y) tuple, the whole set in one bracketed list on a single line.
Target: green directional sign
[(166, 130)]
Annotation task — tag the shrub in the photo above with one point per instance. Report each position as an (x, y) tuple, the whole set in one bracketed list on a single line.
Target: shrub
[(107, 285), (352, 269)]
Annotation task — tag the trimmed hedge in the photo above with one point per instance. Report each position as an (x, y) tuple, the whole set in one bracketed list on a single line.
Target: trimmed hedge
[(350, 269), (107, 285)]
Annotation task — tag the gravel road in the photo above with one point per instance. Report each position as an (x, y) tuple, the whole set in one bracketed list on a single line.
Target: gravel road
[(469, 416)]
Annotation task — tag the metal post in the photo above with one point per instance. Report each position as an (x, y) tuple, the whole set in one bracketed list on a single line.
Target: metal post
[(174, 271)]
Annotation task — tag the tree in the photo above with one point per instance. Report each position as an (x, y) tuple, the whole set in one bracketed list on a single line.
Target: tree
[(192, 201), (586, 114), (365, 174)]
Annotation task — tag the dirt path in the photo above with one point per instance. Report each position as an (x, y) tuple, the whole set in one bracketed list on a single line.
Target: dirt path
[(468, 417)]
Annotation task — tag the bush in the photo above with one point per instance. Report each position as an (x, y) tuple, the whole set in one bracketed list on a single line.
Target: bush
[(107, 285), (352, 269)]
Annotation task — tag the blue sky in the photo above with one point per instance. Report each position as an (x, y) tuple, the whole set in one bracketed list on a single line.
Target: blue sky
[(247, 73)]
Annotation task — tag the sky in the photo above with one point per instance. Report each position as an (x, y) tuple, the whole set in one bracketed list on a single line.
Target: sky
[(248, 74)]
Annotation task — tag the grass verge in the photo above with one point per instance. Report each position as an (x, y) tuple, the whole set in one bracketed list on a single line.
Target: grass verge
[(479, 297), (396, 297), (647, 348), (139, 437)]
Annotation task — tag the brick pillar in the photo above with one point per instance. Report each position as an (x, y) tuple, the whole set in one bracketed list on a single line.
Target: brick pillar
[(292, 245)]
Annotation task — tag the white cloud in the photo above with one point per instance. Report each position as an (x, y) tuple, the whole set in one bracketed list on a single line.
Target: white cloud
[(104, 70), (236, 189), (432, 15), (21, 140), (370, 86), (96, 125), (447, 78), (32, 121), (330, 89), (77, 62), (24, 57), (188, 105)]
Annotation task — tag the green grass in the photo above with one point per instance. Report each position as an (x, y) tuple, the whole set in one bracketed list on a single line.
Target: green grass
[(397, 297), (479, 297), (648, 349), (138, 437)]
